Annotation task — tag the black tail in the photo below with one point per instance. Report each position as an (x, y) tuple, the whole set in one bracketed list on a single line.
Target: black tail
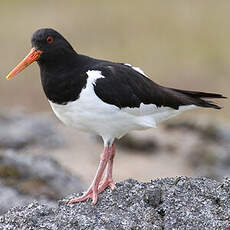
[(197, 98)]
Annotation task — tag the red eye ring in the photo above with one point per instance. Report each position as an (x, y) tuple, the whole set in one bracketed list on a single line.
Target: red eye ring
[(50, 39)]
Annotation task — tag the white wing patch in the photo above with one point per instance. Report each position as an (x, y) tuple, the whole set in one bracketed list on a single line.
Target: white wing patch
[(93, 75), (139, 70)]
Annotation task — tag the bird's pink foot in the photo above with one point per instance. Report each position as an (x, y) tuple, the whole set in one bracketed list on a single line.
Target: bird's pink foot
[(106, 183), (90, 194)]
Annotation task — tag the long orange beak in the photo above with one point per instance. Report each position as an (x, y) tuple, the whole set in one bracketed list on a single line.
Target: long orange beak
[(32, 56)]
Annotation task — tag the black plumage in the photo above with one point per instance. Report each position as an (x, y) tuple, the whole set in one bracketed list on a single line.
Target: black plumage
[(125, 87), (63, 76)]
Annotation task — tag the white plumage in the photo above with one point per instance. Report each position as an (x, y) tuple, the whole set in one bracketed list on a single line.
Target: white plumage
[(138, 69), (89, 113)]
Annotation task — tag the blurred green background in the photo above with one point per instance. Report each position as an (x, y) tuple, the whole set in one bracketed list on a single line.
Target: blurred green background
[(182, 44)]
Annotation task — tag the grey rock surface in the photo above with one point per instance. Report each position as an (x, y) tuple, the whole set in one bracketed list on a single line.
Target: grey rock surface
[(133, 143), (170, 203), (20, 130), (25, 177), (10, 197), (208, 151)]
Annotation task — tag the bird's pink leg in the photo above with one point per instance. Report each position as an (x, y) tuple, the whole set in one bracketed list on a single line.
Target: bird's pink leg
[(108, 180), (93, 190)]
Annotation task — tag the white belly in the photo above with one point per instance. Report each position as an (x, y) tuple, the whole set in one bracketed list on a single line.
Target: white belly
[(89, 113), (109, 121), (98, 117)]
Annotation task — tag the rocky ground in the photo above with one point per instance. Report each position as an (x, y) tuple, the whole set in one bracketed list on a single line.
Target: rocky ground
[(170, 203), (209, 151), (20, 130), (44, 162), (25, 175)]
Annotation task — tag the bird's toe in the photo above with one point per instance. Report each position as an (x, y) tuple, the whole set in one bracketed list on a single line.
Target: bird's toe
[(80, 198), (106, 183)]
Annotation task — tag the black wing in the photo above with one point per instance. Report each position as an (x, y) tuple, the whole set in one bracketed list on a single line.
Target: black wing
[(123, 86)]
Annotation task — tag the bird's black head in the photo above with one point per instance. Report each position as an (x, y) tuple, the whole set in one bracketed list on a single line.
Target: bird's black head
[(49, 48), (48, 40), (50, 43)]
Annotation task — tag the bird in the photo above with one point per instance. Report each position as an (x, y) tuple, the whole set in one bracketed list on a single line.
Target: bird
[(103, 97)]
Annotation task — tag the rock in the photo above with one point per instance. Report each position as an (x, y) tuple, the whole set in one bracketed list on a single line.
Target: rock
[(10, 197), (208, 150), (19, 130), (134, 143), (24, 175), (210, 160), (170, 203), (35, 177), (204, 127)]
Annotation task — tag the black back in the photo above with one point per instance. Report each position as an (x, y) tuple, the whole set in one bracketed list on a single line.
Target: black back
[(125, 87)]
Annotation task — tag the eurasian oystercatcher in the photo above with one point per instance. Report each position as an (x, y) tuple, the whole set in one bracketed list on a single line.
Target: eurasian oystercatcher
[(102, 97)]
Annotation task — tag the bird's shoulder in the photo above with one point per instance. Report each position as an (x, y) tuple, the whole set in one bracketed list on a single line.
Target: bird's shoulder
[(121, 84), (116, 70), (126, 86)]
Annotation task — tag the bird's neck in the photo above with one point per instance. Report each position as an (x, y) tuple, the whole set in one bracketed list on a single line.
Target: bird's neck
[(63, 79), (63, 60)]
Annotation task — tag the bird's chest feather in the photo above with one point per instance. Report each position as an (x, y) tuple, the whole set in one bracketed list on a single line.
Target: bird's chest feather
[(63, 87), (87, 112)]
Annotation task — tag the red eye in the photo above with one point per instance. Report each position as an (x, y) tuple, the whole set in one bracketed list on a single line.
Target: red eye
[(50, 39)]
